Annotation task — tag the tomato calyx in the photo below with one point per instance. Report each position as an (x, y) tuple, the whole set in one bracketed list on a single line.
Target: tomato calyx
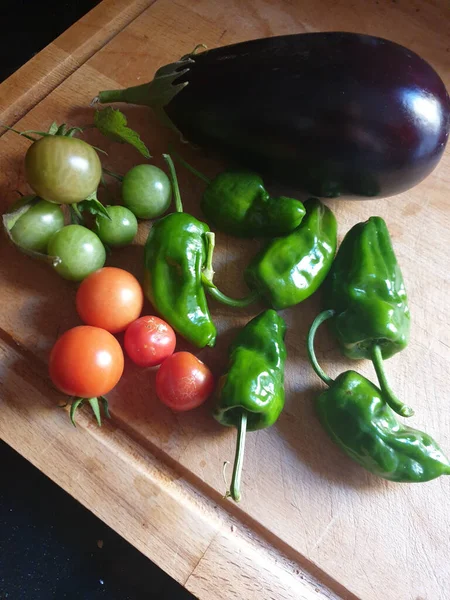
[(54, 129), (95, 405), (92, 205)]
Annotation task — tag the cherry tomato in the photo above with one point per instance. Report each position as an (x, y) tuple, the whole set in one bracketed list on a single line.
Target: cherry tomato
[(110, 298), (149, 341), (86, 362), (183, 382), (146, 191), (79, 250), (34, 228), (120, 231), (62, 169)]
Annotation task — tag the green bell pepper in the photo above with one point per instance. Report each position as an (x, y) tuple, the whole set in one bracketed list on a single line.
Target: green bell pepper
[(250, 395), (174, 256), (355, 415), (365, 289)]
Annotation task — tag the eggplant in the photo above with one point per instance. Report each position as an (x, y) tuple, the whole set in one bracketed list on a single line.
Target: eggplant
[(334, 114)]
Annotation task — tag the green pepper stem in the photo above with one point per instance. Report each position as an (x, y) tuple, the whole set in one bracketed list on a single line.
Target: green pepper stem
[(395, 403), (174, 182), (321, 318), (235, 488), (189, 167), (208, 275)]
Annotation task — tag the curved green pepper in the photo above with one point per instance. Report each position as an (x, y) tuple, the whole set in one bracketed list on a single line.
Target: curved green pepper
[(250, 395), (236, 202), (365, 289), (174, 255), (356, 417), (290, 268)]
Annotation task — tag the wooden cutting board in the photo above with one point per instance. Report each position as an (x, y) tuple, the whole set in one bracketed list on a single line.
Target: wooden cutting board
[(311, 524)]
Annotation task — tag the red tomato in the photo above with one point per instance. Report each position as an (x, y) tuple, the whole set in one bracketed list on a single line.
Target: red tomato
[(86, 362), (149, 341), (110, 298), (183, 382)]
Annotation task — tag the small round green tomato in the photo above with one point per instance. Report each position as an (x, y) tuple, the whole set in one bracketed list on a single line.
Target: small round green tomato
[(79, 250), (34, 228), (62, 169), (146, 191), (120, 231)]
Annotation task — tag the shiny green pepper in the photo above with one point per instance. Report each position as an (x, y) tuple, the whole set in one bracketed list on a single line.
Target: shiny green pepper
[(290, 268), (365, 289), (250, 395), (356, 417), (236, 202), (174, 255)]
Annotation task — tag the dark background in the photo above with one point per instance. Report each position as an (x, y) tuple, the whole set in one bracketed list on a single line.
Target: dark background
[(51, 548)]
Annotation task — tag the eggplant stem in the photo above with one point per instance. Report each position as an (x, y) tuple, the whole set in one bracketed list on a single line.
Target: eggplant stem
[(388, 395), (321, 318), (138, 94), (174, 182)]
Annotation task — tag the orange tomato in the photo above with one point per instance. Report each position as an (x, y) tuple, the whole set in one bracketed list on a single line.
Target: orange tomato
[(86, 362), (110, 298)]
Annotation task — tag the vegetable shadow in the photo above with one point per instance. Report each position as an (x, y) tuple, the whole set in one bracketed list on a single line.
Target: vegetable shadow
[(298, 423), (306, 437), (33, 373)]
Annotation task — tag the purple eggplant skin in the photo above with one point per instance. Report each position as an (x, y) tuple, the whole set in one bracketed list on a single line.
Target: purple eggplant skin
[(334, 114)]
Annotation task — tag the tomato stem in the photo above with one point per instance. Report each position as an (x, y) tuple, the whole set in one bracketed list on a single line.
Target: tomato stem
[(112, 174), (23, 134)]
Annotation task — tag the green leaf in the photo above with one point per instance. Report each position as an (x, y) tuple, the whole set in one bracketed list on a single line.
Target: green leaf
[(73, 409), (61, 129), (96, 410), (53, 128), (94, 206), (73, 130), (113, 124)]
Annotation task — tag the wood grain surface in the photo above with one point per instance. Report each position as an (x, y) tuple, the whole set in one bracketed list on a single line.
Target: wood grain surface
[(45, 71), (302, 499)]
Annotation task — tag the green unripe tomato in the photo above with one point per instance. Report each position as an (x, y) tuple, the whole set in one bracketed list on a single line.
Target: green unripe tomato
[(120, 231), (33, 229), (79, 250), (146, 191), (62, 169)]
